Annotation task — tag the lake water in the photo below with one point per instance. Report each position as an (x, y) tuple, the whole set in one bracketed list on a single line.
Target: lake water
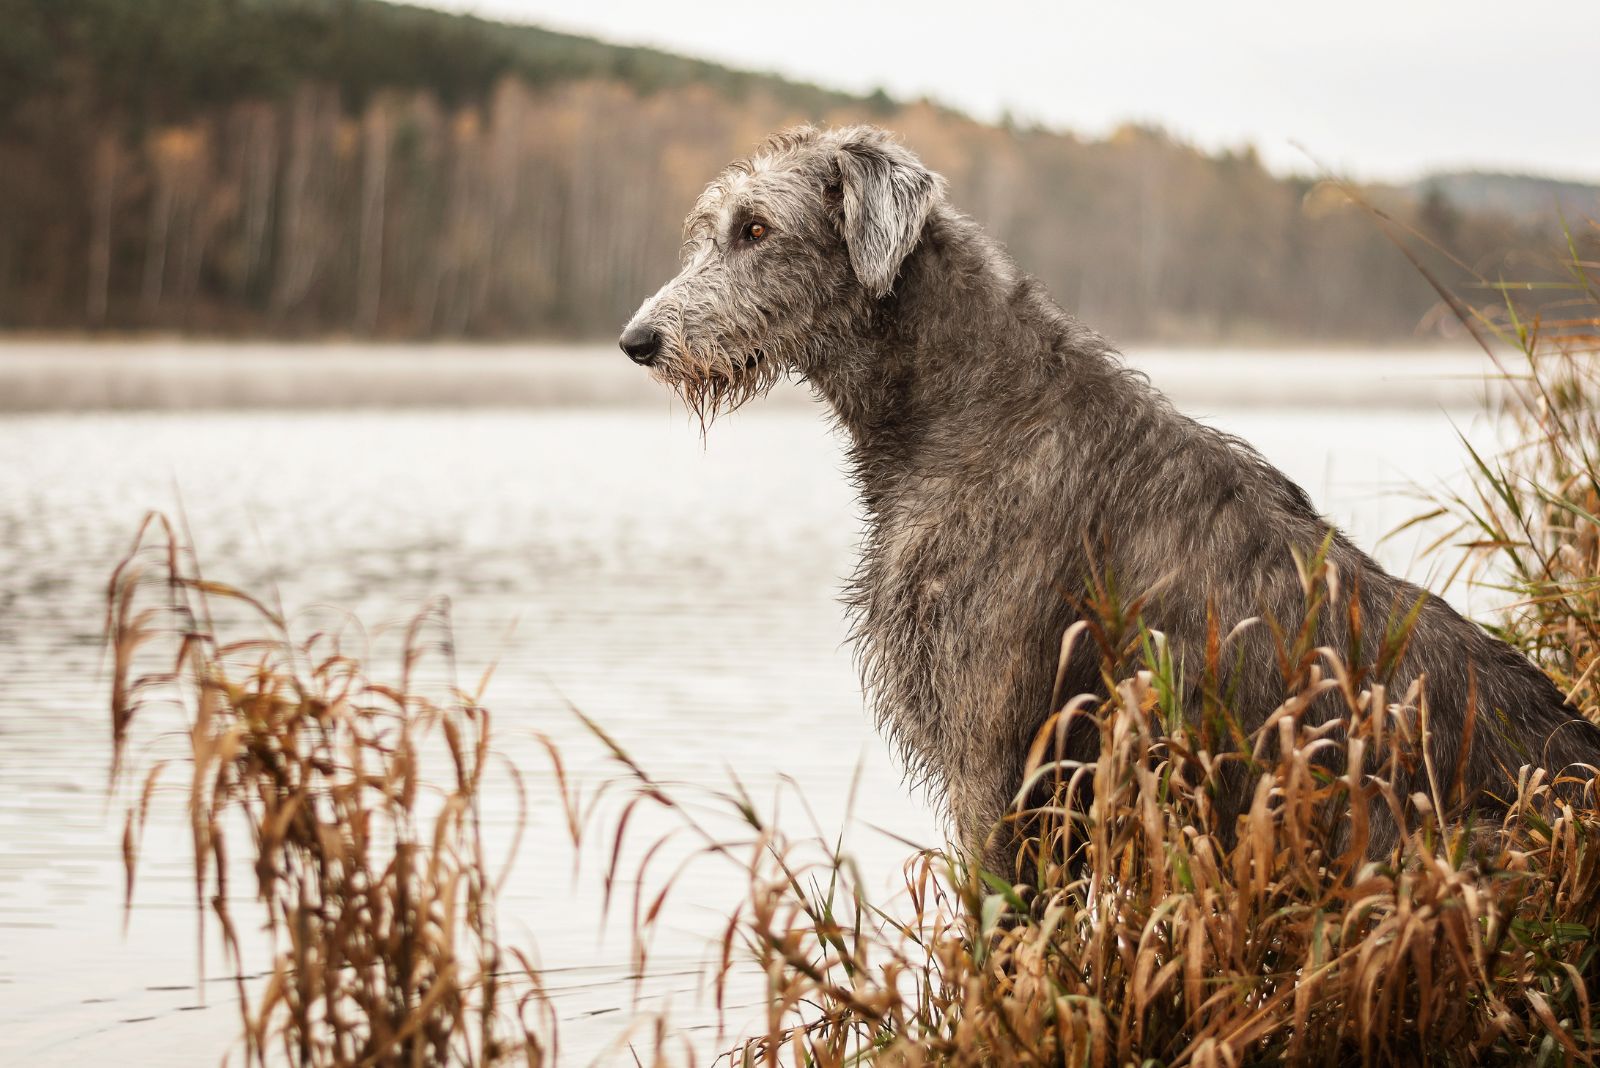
[(681, 592)]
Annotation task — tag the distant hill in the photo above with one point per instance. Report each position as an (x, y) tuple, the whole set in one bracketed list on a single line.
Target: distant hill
[(165, 58), (1522, 196), (306, 167)]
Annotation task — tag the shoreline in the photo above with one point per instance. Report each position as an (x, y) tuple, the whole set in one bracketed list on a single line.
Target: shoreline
[(182, 374)]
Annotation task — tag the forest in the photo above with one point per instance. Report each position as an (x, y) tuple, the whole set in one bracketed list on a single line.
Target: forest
[(304, 168)]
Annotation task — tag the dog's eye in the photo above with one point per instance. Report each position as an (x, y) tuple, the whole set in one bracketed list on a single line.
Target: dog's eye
[(755, 231)]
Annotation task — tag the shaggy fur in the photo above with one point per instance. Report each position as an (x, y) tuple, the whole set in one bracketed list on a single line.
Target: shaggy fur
[(1005, 457)]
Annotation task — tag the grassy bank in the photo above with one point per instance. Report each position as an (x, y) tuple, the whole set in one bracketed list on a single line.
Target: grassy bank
[(1151, 933)]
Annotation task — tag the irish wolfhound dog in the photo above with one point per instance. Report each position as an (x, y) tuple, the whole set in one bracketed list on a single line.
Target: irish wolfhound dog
[(1005, 456)]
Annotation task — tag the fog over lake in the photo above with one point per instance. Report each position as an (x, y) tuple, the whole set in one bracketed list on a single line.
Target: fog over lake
[(680, 591), (51, 375)]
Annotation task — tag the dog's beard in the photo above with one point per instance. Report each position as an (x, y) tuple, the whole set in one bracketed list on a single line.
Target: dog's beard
[(714, 379)]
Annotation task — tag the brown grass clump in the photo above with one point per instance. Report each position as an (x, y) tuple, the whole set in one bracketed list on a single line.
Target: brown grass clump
[(359, 804), (1532, 515), (1173, 940)]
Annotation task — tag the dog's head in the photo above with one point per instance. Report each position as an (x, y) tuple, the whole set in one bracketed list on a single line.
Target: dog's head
[(782, 252)]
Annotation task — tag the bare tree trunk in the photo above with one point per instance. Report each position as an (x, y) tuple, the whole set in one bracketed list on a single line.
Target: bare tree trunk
[(295, 260), (261, 179), (375, 167), (203, 217), (155, 252), (106, 158)]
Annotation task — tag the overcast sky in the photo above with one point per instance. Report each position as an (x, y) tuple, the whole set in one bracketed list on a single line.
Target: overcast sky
[(1380, 89)]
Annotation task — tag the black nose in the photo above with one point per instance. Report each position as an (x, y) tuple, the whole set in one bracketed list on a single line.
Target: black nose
[(641, 343)]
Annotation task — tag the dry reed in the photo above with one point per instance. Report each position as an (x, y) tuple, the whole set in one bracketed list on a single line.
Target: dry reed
[(359, 804), (1152, 934), (1531, 517)]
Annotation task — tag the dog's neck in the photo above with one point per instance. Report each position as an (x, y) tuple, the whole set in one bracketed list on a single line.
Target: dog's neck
[(966, 340)]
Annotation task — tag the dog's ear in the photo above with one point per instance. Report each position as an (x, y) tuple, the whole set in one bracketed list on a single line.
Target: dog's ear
[(885, 197)]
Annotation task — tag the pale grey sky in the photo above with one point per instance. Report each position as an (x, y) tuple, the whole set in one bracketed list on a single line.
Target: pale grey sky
[(1381, 89)]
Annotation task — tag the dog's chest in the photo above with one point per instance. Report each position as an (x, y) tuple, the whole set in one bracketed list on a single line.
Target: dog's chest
[(914, 605), (937, 563), (950, 597)]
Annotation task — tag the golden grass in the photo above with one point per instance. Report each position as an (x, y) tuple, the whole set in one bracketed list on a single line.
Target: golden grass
[(1531, 518), (358, 802), (1174, 940)]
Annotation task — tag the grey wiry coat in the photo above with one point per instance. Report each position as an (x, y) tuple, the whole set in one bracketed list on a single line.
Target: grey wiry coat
[(1004, 455)]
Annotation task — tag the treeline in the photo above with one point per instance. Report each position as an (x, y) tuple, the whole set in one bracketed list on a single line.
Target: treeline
[(300, 167)]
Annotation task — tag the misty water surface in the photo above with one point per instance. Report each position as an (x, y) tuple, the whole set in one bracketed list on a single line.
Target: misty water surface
[(680, 591)]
